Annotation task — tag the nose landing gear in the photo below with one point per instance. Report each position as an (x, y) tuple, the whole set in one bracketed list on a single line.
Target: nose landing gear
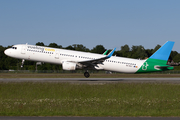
[(22, 63), (86, 74)]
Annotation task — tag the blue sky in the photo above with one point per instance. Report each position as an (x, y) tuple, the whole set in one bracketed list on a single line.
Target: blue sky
[(111, 23)]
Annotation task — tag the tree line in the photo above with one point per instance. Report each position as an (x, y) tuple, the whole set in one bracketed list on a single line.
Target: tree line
[(136, 52)]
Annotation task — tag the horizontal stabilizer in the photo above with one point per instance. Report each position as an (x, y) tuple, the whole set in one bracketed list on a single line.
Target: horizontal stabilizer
[(164, 67)]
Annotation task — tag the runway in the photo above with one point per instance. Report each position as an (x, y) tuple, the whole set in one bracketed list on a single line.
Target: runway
[(92, 80)]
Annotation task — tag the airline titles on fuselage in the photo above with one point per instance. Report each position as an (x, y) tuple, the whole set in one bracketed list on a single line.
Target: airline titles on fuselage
[(40, 48)]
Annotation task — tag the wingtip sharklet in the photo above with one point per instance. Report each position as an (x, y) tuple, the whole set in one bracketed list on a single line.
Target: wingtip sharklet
[(105, 52), (111, 53)]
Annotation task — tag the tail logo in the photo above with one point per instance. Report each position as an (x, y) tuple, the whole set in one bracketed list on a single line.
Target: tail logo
[(144, 66)]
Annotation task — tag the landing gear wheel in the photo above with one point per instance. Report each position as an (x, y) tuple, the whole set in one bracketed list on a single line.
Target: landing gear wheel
[(86, 74)]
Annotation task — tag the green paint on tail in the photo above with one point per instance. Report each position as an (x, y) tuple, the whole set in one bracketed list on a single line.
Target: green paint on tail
[(158, 61), (154, 65)]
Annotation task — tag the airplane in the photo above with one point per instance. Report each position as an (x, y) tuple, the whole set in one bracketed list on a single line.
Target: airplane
[(73, 60)]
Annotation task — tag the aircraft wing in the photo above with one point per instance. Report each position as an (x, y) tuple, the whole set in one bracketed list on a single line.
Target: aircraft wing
[(97, 61), (94, 62)]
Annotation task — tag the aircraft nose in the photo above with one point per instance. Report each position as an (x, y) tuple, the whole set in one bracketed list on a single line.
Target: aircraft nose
[(7, 52)]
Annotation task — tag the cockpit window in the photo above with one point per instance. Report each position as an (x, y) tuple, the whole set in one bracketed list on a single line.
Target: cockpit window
[(14, 47)]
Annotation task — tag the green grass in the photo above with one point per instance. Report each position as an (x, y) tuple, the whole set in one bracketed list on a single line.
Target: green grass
[(65, 99)]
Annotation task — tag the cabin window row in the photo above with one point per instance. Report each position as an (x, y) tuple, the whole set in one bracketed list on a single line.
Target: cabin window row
[(40, 51), (76, 56), (79, 56), (95, 58), (67, 55), (120, 62)]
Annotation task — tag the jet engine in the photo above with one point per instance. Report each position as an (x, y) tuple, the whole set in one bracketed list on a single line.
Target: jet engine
[(69, 66)]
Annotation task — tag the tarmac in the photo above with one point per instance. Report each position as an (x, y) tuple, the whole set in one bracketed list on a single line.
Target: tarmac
[(93, 80)]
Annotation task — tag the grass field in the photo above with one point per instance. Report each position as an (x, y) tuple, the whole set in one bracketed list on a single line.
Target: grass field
[(65, 99)]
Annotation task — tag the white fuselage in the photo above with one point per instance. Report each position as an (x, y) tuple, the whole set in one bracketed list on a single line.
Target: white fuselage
[(58, 56)]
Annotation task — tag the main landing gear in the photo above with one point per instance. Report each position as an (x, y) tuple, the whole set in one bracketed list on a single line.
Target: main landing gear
[(86, 74)]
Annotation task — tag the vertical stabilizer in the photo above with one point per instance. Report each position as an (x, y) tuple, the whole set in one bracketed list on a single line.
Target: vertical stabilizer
[(163, 52)]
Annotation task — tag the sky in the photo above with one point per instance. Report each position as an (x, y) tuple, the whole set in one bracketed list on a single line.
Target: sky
[(111, 23)]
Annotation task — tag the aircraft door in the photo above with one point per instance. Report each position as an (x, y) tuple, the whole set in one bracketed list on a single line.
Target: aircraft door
[(57, 55), (23, 50)]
